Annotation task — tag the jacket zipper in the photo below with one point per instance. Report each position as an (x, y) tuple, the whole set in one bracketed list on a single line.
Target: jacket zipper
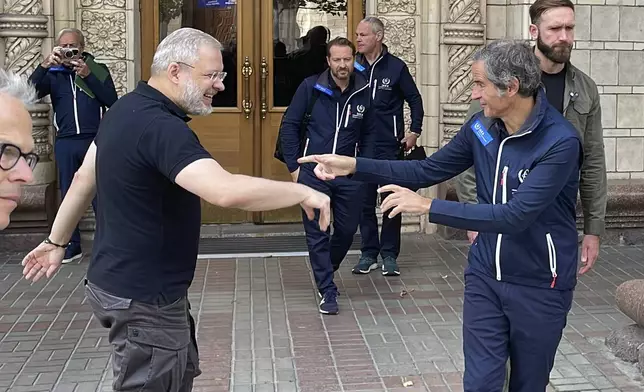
[(71, 80), (395, 127), (306, 146), (346, 120), (504, 195), (499, 237), (339, 115), (552, 258), (373, 94)]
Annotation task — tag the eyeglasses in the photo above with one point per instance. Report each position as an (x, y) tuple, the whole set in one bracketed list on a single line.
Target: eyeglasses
[(215, 76), (10, 155)]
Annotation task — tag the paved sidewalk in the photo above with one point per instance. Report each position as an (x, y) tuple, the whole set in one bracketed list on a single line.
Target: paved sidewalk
[(259, 329)]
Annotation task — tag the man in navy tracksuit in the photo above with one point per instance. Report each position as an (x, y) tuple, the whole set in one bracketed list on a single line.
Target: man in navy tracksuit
[(391, 85), (522, 267), (337, 120), (81, 90)]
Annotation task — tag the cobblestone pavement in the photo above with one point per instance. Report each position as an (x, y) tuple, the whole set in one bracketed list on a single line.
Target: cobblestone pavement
[(259, 329)]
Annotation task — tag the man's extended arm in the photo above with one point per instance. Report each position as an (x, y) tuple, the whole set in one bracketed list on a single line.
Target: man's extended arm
[(40, 79), (208, 180), (465, 183), (76, 200), (593, 182), (541, 187), (445, 163)]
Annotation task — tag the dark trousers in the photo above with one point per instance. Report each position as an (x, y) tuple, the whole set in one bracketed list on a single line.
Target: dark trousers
[(153, 346), (70, 152), (326, 251), (503, 320), (387, 244)]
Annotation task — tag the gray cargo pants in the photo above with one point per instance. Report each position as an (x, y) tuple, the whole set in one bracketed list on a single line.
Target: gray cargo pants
[(153, 347)]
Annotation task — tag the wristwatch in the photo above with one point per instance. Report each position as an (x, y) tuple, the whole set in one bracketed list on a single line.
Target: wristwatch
[(415, 133)]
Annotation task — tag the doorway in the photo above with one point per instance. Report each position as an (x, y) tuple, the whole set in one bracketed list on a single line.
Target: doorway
[(269, 47)]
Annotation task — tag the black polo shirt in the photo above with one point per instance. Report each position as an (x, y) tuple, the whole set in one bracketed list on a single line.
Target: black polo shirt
[(147, 227)]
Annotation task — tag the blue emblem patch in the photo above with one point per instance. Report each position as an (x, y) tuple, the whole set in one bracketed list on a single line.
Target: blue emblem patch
[(358, 66), (323, 89), (479, 130)]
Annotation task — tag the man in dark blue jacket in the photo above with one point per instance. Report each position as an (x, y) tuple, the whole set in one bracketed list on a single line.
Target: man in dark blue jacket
[(391, 85), (336, 123), (81, 90), (522, 267)]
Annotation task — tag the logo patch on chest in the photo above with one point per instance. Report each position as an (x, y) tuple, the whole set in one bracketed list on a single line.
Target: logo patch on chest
[(385, 84), (481, 132), (359, 113)]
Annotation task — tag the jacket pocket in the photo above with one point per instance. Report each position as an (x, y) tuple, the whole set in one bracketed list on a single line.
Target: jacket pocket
[(552, 259)]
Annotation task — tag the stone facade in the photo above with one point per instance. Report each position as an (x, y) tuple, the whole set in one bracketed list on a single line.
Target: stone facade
[(435, 37)]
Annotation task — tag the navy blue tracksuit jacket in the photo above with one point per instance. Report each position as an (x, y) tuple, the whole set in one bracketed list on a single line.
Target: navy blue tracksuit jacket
[(390, 85), (522, 267), (75, 112), (338, 121)]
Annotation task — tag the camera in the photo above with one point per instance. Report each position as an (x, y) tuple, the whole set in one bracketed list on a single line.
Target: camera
[(68, 53)]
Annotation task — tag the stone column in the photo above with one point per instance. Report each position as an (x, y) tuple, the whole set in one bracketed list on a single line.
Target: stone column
[(23, 29)]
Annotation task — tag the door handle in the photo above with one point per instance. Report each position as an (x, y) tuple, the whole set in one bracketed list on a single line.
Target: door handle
[(247, 71), (264, 76)]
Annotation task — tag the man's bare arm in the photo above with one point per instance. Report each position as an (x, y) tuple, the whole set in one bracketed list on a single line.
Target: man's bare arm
[(208, 180), (77, 199)]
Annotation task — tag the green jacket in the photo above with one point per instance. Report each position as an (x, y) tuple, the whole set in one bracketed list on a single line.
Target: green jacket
[(584, 113)]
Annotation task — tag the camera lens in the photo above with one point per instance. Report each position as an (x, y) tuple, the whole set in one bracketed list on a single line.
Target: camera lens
[(69, 54)]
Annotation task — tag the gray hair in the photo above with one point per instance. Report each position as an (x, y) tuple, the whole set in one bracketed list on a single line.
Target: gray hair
[(17, 87), (71, 30), (506, 60), (181, 45), (376, 24)]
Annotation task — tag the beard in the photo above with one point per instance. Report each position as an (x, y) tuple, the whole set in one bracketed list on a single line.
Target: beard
[(191, 100), (337, 75), (559, 54)]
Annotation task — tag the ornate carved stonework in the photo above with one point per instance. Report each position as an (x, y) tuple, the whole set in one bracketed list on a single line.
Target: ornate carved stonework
[(399, 37), (105, 33), (118, 70), (391, 6), (104, 23), (463, 35), (23, 7)]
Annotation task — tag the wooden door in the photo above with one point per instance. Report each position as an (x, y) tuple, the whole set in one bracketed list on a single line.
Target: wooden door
[(227, 133), (293, 41), (262, 76)]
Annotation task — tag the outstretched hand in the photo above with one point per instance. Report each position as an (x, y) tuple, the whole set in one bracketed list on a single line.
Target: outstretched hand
[(43, 260), (403, 200), (330, 166)]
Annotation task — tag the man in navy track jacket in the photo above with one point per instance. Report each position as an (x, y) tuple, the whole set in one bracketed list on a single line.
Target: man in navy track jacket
[(81, 91), (390, 85), (337, 122), (522, 267)]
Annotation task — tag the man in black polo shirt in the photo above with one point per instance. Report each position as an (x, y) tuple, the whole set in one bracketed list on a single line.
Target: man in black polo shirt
[(149, 170)]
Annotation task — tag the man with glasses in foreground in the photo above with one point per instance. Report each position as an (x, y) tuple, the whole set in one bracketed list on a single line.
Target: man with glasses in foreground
[(149, 170), (17, 160)]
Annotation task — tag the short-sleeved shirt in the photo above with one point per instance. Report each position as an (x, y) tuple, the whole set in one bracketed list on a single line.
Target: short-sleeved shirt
[(147, 227)]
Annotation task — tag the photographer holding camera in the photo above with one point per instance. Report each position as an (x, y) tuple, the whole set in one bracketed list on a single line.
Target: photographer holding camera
[(81, 90)]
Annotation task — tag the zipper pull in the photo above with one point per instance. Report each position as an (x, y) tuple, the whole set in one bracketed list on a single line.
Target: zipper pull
[(554, 280)]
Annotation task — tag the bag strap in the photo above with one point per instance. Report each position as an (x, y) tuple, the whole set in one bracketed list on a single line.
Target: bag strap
[(307, 115)]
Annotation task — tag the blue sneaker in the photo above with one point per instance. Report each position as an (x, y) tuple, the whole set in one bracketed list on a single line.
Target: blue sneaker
[(365, 265), (390, 267), (72, 253), (329, 303)]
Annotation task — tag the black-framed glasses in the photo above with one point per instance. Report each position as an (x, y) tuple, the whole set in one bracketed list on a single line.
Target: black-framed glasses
[(11, 154), (215, 76)]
